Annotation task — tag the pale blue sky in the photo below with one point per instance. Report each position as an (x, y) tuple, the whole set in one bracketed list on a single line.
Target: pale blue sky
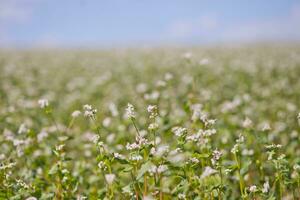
[(76, 23)]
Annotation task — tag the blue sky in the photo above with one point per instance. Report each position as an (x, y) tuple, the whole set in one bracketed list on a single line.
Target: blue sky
[(77, 23)]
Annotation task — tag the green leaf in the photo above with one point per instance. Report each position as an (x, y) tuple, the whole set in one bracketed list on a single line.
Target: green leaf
[(127, 169), (53, 169), (201, 155), (145, 167), (127, 189)]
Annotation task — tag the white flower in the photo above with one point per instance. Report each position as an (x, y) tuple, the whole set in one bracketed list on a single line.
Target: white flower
[(106, 122), (141, 141), (111, 138), (179, 131), (210, 122), (2, 156), (119, 156), (181, 196), (273, 146), (95, 139), (266, 187), (207, 172), (241, 139), (148, 198), (130, 111), (76, 113), (59, 147), (43, 103), (132, 146), (168, 76), (152, 110), (158, 170), (89, 111), (113, 109), (162, 168), (161, 83), (187, 55), (208, 132), (102, 165), (79, 197), (87, 107), (110, 178), (31, 198), (296, 167), (228, 171), (152, 96), (136, 158), (194, 160), (22, 129), (161, 150), (153, 126), (196, 108), (42, 135), (216, 156), (253, 188), (153, 151), (204, 61), (266, 127), (141, 88), (235, 149), (247, 152), (247, 123)]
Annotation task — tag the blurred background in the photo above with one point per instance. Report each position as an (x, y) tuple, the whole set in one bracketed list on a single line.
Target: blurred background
[(124, 23)]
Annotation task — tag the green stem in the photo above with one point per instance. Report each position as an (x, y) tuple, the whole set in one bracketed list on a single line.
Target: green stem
[(241, 180), (137, 130)]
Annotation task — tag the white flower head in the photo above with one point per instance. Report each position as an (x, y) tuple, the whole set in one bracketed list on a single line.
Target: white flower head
[(247, 123), (179, 131), (113, 109), (197, 110), (266, 127), (152, 110), (133, 146), (119, 156), (153, 126), (181, 196), (89, 111), (130, 111), (31, 198), (162, 168), (187, 55), (253, 188), (148, 197), (22, 129), (266, 187), (158, 169), (42, 135), (216, 156), (141, 88), (43, 103), (235, 149), (102, 165), (194, 160), (241, 139), (161, 83), (110, 178), (168, 76), (76, 113), (207, 172), (136, 158)]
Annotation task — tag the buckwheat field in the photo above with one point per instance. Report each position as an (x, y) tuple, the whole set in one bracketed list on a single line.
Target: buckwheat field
[(143, 124)]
